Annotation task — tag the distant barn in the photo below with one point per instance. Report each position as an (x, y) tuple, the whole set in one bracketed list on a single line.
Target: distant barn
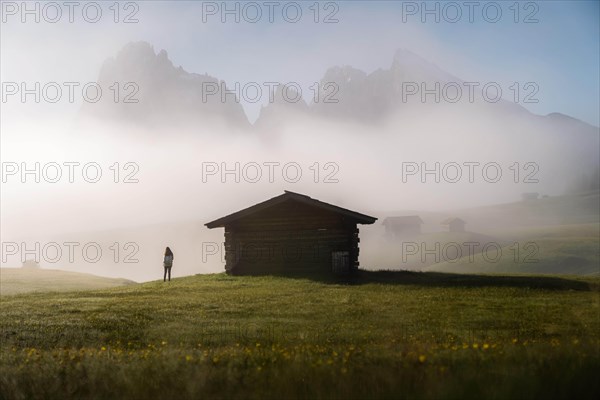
[(454, 224), (403, 226), (291, 232), (30, 264)]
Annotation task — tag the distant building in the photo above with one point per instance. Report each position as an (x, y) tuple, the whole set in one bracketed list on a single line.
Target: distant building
[(530, 196), (403, 226), (30, 264), (291, 233), (454, 224)]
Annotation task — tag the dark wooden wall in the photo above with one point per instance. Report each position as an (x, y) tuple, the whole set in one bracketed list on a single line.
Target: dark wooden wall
[(289, 237)]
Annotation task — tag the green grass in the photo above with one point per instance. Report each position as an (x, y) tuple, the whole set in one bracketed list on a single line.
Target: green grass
[(415, 260), (377, 335), (588, 230), (23, 280), (566, 249), (579, 208)]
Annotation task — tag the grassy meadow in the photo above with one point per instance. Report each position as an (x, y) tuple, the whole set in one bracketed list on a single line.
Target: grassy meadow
[(377, 335), (565, 249), (24, 280)]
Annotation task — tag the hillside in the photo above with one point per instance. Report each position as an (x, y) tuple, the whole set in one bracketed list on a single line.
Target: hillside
[(419, 251), (380, 335), (559, 234), (505, 218), (569, 209), (22, 280), (560, 249)]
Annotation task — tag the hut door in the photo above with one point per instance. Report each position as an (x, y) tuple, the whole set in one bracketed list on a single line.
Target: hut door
[(340, 262)]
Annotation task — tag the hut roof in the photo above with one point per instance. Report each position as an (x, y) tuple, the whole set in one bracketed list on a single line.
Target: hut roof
[(286, 196)]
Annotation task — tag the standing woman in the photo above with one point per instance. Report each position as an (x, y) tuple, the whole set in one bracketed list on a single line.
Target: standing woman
[(168, 263)]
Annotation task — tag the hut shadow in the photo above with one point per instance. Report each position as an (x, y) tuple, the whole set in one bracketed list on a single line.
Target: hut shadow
[(440, 279)]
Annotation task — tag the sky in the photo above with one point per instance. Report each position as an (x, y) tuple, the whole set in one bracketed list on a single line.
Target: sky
[(553, 44)]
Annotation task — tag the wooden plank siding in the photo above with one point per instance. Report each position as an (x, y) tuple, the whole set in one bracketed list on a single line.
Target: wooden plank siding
[(290, 236)]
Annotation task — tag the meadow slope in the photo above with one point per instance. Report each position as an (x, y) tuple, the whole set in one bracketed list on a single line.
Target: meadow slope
[(24, 280), (559, 249), (379, 335)]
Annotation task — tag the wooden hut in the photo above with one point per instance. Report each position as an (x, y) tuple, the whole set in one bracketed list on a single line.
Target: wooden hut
[(291, 233), (30, 264), (454, 224)]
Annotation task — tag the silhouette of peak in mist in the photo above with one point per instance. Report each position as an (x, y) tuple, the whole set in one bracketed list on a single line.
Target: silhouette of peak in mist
[(162, 94), (170, 95)]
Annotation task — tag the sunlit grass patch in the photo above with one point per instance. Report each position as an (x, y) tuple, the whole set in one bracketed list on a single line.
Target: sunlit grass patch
[(274, 337)]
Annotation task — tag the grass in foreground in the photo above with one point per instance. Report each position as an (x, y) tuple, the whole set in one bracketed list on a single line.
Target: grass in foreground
[(381, 335)]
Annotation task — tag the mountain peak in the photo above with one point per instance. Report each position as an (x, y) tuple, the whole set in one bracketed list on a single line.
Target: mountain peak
[(164, 93), (140, 48), (344, 74), (142, 53)]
